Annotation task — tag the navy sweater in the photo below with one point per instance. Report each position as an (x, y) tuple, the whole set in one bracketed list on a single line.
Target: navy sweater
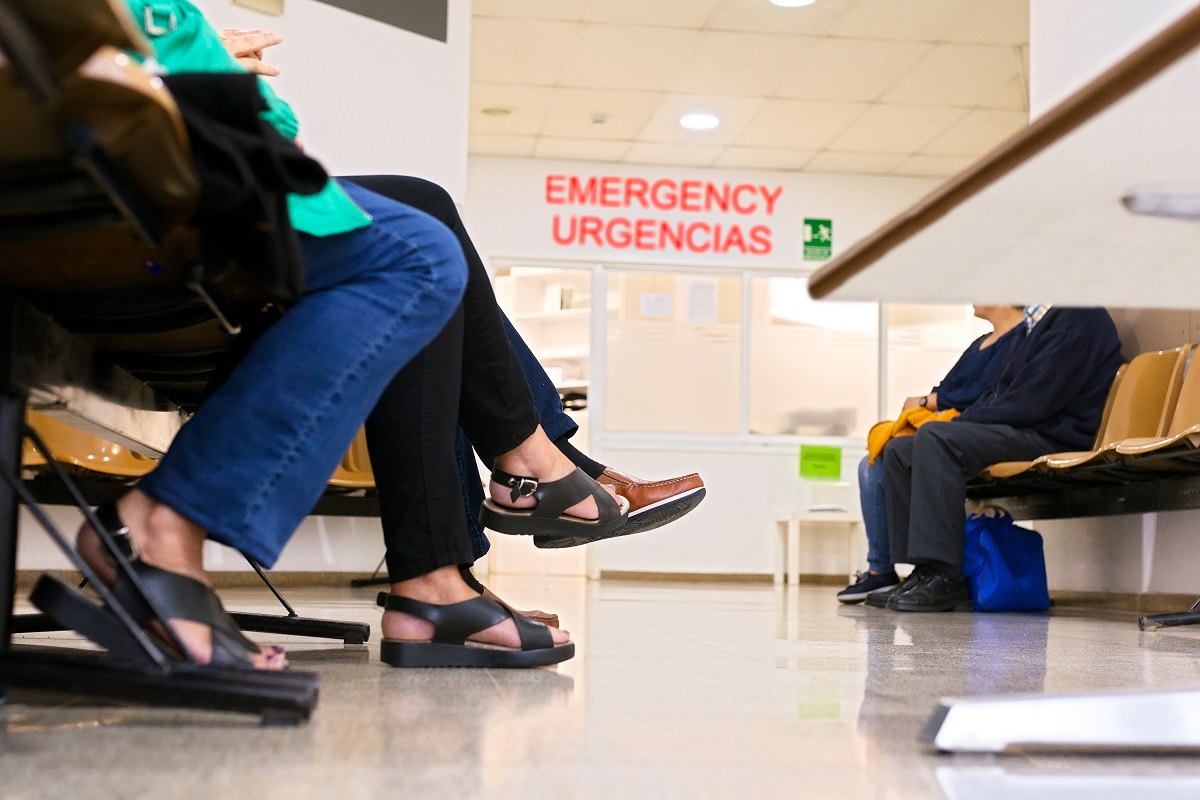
[(1056, 378), (975, 371)]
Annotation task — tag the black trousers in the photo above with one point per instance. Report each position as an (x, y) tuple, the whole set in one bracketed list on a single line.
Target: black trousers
[(468, 376), (925, 482)]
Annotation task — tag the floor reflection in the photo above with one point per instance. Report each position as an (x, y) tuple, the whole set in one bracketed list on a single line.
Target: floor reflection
[(690, 691)]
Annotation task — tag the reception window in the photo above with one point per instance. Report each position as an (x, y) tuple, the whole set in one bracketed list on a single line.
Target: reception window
[(674, 353), (813, 365), (695, 351)]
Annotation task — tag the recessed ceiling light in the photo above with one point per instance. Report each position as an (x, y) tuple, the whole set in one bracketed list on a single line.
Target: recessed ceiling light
[(699, 122), (792, 3), (496, 112)]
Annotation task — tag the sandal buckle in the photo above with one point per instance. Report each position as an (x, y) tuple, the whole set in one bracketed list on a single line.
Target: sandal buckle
[(523, 487)]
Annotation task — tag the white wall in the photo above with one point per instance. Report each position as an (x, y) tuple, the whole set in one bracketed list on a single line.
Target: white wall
[(733, 531), (1072, 41), (371, 98)]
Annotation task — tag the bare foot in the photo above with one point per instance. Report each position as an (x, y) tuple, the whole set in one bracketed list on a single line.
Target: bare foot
[(537, 457), (442, 587), (164, 539)]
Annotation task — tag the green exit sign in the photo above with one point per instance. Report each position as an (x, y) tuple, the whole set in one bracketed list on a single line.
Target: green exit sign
[(818, 239)]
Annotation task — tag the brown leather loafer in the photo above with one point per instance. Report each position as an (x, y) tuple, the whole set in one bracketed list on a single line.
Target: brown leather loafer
[(653, 504)]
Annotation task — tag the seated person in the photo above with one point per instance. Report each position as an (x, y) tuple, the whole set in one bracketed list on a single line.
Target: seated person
[(974, 372), (1048, 398), (496, 373), (251, 463)]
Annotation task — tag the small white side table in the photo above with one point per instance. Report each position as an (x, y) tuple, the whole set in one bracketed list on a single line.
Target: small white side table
[(787, 551)]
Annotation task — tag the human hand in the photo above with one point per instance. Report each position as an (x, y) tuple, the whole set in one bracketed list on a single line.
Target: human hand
[(911, 402), (247, 47)]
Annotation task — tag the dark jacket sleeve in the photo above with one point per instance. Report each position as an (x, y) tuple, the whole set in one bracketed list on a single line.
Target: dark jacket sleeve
[(1063, 360), (962, 394)]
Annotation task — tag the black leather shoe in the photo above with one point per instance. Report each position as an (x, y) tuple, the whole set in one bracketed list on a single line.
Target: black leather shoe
[(937, 592), (886, 598)]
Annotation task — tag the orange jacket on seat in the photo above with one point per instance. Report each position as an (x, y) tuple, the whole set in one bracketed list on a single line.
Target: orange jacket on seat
[(883, 432)]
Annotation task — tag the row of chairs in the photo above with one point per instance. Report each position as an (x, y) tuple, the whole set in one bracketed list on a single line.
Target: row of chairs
[(1150, 427), (88, 453)]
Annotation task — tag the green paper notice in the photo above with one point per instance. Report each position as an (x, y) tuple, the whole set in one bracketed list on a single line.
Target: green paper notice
[(820, 463)]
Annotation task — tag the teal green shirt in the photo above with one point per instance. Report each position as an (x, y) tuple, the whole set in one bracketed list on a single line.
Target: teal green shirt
[(184, 41)]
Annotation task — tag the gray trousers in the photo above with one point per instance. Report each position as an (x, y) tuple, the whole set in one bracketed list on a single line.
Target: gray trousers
[(926, 483)]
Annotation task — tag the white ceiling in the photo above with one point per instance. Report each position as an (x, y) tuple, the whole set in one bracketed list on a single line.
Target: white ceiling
[(903, 87)]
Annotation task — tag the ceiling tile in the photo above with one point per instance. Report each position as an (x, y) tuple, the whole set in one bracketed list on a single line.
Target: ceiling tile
[(665, 13), (915, 20), (896, 129), (957, 75), (626, 113), (993, 22), (856, 163), (1012, 96), (763, 158), (806, 125), (484, 144), (725, 62), (694, 155), (850, 69), (544, 49), (580, 149), (759, 16), (933, 166), (573, 10), (977, 133), (734, 113), (624, 57), (528, 104)]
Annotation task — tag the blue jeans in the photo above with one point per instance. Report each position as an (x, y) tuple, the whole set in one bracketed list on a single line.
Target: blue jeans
[(555, 422), (253, 461), (874, 511)]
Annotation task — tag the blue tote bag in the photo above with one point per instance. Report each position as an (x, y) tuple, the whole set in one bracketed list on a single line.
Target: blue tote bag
[(1005, 564)]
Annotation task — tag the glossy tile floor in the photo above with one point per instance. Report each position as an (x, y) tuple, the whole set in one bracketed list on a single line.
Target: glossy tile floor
[(682, 691)]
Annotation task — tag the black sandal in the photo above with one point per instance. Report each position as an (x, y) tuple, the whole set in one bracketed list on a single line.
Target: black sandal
[(547, 521), (176, 596), (453, 624)]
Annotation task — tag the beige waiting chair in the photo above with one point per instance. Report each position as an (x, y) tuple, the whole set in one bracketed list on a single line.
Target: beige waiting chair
[(1005, 470), (1140, 403), (1143, 406), (355, 470), (1182, 435), (69, 445)]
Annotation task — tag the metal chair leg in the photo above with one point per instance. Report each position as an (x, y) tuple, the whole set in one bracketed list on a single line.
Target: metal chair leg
[(294, 625), (1153, 622), (375, 580), (277, 698)]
